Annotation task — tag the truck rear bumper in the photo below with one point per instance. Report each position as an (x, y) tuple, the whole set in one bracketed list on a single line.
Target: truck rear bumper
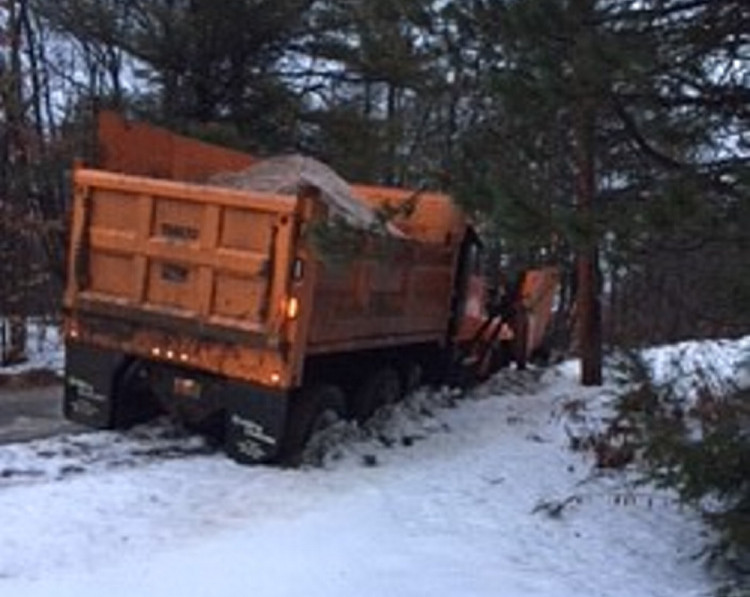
[(254, 416)]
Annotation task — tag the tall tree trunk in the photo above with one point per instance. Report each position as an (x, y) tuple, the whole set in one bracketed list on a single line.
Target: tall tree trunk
[(590, 327), (16, 185), (589, 307), (584, 134)]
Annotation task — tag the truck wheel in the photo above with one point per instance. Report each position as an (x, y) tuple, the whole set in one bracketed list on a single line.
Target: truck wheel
[(380, 388), (502, 355), (521, 358), (542, 355), (133, 400), (311, 413), (414, 376)]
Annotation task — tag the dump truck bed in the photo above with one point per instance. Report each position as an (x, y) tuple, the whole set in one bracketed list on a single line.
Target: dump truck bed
[(228, 281)]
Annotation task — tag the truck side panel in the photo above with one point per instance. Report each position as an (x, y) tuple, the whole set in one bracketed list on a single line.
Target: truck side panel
[(429, 218), (393, 295), (378, 301)]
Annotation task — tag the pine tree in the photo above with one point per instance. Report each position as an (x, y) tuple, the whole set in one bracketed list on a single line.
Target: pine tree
[(380, 98), (601, 116), (201, 64)]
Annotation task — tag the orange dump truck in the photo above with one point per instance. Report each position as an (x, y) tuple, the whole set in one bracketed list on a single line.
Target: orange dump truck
[(191, 293)]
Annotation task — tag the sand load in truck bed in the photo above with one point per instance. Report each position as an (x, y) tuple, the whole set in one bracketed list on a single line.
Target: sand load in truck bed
[(287, 174)]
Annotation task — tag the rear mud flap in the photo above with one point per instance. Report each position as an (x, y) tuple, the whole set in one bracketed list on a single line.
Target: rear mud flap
[(255, 418), (89, 385)]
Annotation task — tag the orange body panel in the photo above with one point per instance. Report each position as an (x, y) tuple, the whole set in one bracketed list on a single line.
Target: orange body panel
[(475, 312), (538, 296), (373, 301), (433, 219), (146, 150)]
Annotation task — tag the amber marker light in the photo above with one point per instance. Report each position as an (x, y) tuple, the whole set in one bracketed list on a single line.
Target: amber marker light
[(292, 308), (275, 378)]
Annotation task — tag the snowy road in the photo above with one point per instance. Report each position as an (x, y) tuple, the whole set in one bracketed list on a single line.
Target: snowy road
[(32, 413), (442, 498)]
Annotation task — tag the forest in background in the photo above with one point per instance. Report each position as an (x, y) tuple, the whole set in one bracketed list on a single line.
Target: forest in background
[(611, 137)]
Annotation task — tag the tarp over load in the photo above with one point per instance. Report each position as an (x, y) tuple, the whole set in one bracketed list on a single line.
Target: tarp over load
[(288, 173)]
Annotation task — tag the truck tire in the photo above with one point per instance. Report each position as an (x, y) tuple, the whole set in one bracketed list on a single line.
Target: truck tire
[(380, 388), (502, 355), (542, 356), (311, 412), (414, 376), (133, 401)]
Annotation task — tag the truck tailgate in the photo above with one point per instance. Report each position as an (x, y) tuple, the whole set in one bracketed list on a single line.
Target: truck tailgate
[(214, 256)]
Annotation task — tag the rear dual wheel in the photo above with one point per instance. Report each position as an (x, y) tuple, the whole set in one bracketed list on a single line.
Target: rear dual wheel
[(378, 389), (133, 400), (315, 410), (311, 413)]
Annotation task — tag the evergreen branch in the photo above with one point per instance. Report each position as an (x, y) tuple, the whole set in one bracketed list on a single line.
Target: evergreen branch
[(665, 161)]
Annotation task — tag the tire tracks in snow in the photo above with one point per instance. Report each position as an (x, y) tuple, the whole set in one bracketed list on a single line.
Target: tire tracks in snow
[(71, 454)]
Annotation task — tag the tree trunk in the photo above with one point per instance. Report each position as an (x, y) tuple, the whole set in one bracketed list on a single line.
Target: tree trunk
[(589, 319), (17, 186), (584, 134), (589, 307)]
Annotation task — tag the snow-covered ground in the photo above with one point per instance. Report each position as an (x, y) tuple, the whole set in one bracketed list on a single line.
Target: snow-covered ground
[(453, 497)]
